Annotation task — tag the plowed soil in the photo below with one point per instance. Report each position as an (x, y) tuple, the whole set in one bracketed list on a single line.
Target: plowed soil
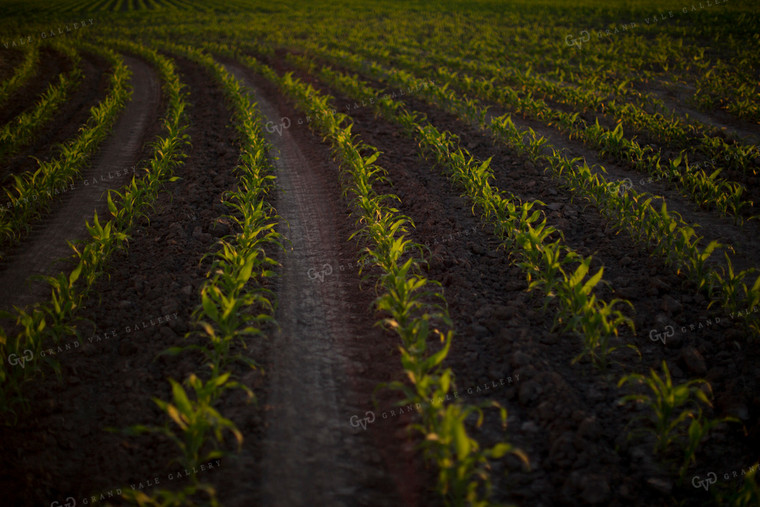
[(319, 432), (112, 167), (564, 415)]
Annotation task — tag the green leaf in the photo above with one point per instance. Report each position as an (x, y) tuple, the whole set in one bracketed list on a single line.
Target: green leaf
[(591, 282), (209, 307), (580, 272), (461, 440), (245, 273), (499, 450), (74, 276), (180, 397)]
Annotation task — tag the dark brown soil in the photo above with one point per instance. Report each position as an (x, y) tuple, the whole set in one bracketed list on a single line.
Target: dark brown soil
[(314, 454), (110, 379), (10, 59), (66, 123), (303, 439), (51, 65), (112, 167), (565, 416)]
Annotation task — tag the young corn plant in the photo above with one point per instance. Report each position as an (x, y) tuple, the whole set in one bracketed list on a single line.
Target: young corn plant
[(675, 415), (747, 495), (196, 419), (23, 73), (707, 191), (33, 191), (597, 322), (227, 298)]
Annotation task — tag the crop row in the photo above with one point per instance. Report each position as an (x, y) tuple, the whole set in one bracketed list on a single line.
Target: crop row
[(728, 86), (617, 62), (407, 301), (561, 274), (664, 232), (21, 130), (600, 80), (674, 412), (672, 131), (49, 322), (707, 190), (31, 192), (22, 74), (230, 297)]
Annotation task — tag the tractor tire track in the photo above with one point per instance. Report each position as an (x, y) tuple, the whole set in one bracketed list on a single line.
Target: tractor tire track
[(322, 367)]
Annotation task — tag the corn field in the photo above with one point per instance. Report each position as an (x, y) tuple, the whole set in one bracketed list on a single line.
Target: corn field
[(380, 253)]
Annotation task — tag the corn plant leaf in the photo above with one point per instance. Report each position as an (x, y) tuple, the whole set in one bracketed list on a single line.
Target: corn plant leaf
[(180, 397), (461, 440), (74, 275), (591, 282)]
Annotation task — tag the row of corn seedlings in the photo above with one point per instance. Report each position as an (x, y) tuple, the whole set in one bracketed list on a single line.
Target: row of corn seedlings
[(233, 304), (20, 131), (559, 272), (23, 73), (706, 190), (674, 413), (587, 91), (724, 86), (664, 232), (31, 193), (47, 323), (409, 302), (673, 131)]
